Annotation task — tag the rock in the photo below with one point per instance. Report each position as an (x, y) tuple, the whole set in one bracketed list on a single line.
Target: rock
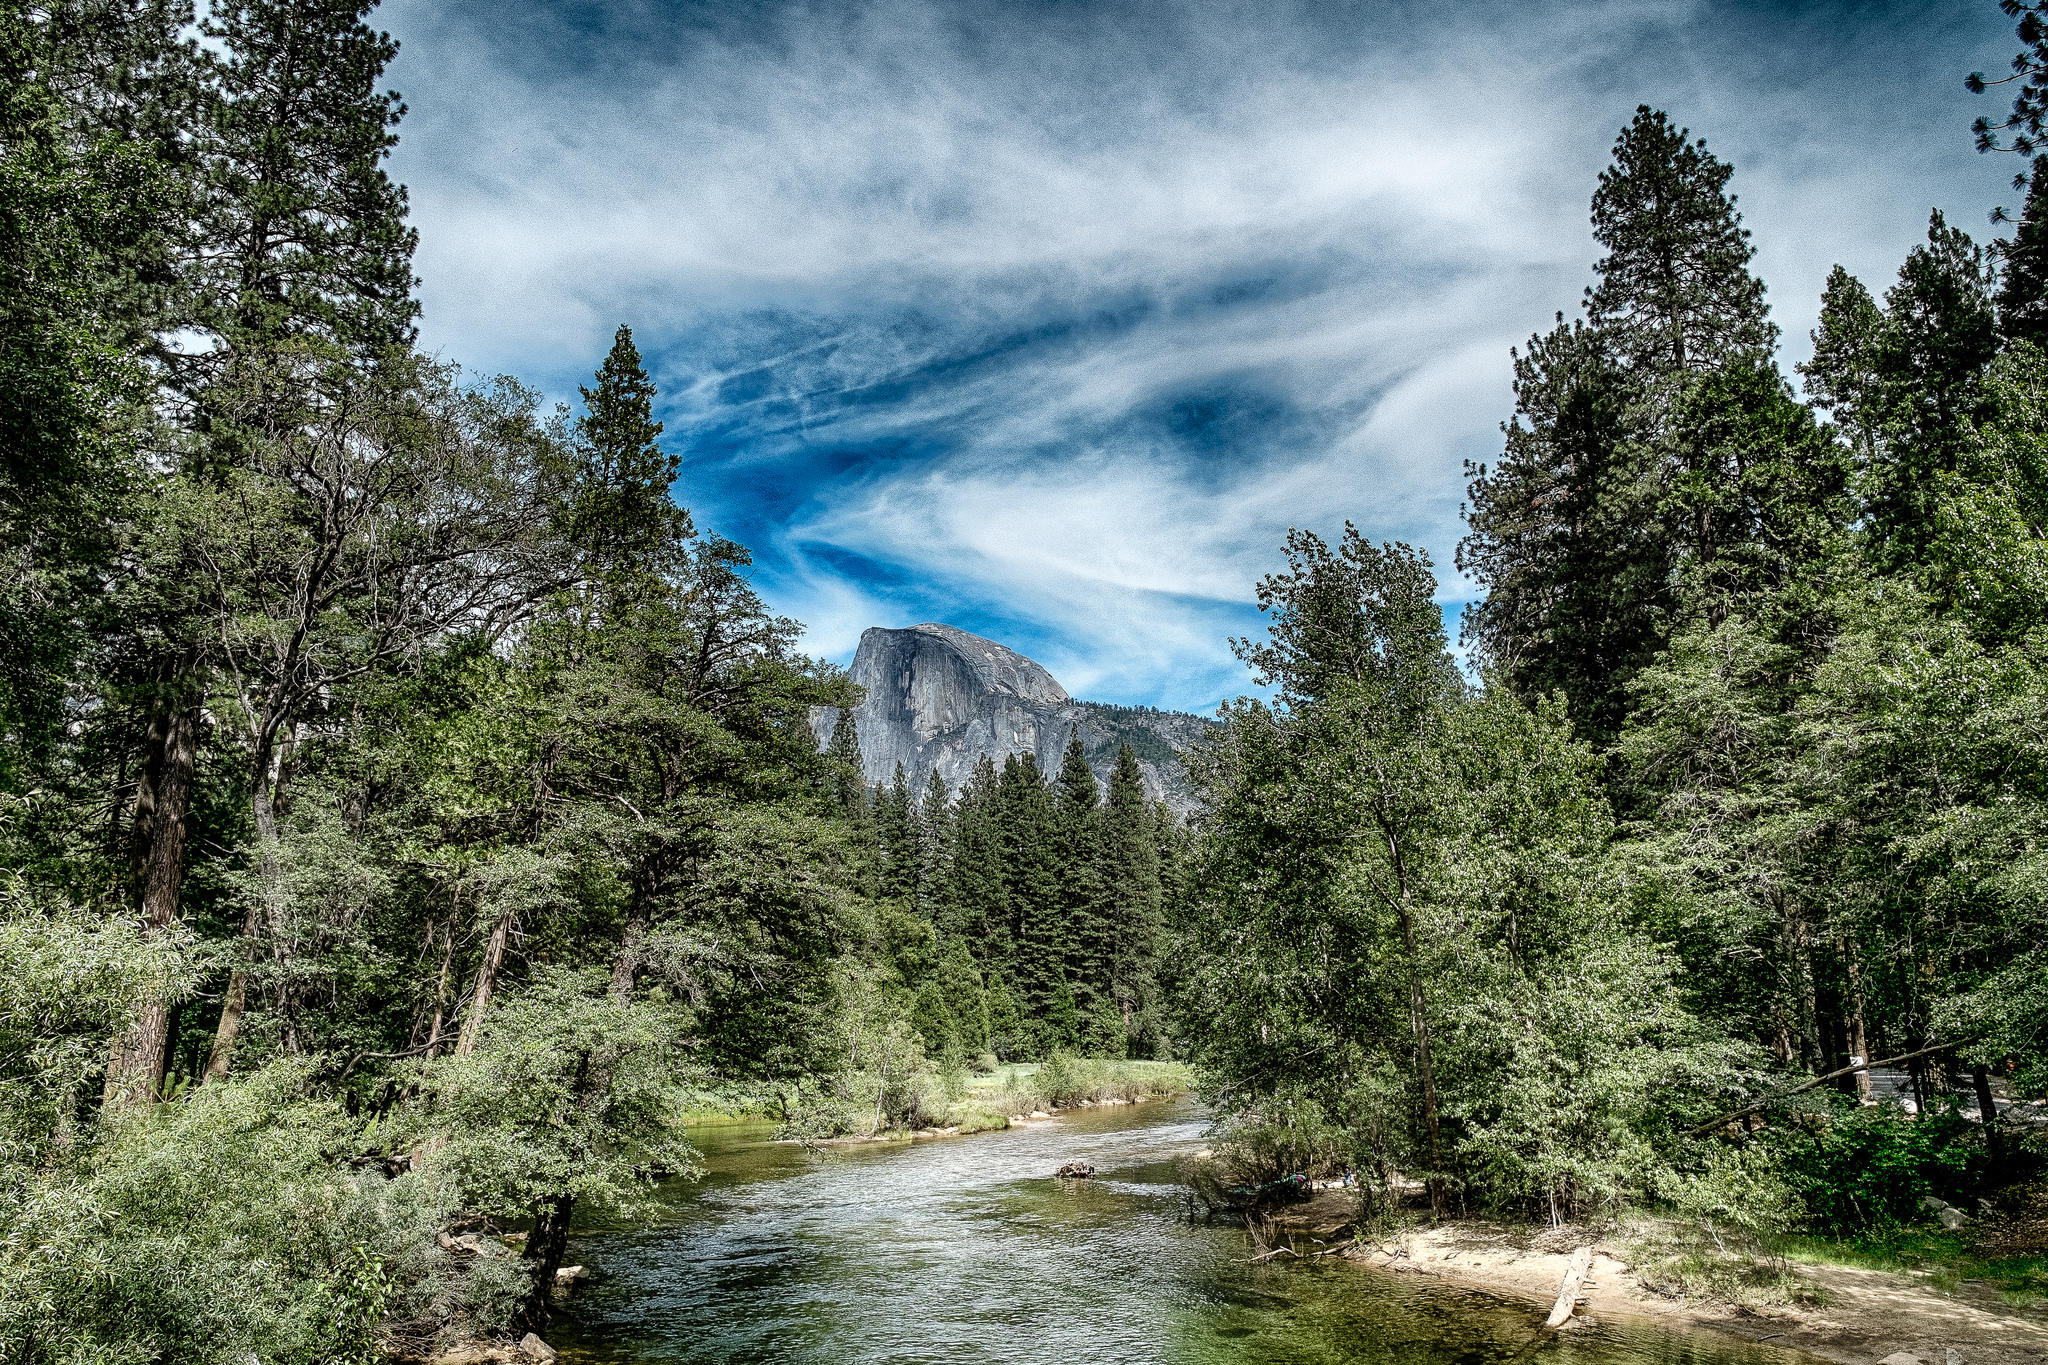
[(1902, 1358), (1929, 1204), (1952, 1218), (572, 1274), (1955, 1357), (1039, 1114), (1075, 1170), (938, 698), (533, 1348)]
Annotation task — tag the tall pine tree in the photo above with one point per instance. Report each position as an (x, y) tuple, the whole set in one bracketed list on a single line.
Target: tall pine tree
[(1132, 903)]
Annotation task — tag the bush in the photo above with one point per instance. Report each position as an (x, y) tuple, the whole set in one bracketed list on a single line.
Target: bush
[(1855, 1168), (217, 1227)]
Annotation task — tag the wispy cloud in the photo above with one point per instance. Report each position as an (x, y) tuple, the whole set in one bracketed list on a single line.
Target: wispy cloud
[(1047, 320)]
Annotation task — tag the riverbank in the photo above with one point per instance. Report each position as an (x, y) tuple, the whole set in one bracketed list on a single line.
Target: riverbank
[(1856, 1315)]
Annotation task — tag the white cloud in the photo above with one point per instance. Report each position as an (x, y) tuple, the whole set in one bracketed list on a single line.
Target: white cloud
[(813, 202)]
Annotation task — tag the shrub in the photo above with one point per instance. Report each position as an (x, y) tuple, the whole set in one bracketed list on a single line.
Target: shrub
[(1856, 1168)]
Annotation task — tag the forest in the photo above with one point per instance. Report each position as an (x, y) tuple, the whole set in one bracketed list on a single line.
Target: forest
[(1746, 799), (410, 819)]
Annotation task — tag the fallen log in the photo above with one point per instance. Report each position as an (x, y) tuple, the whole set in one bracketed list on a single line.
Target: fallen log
[(1711, 1124), (1568, 1292)]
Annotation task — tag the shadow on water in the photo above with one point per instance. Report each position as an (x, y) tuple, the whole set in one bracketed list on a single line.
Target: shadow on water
[(967, 1250)]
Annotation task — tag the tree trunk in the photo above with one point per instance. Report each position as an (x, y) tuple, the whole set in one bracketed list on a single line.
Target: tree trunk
[(626, 966), (135, 1063), (1859, 1036), (1987, 1110), (441, 989), (544, 1246), (1418, 1019), (269, 891), (486, 982)]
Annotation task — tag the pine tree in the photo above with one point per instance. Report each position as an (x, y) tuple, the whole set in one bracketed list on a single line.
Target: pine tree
[(2023, 267), (1028, 831), (1059, 1026), (976, 898), (1675, 292), (621, 513), (850, 788), (960, 983), (1756, 488), (304, 234), (1842, 377), (1657, 467), (1132, 900), (1564, 531), (896, 837), (935, 835), (1939, 337), (1084, 949)]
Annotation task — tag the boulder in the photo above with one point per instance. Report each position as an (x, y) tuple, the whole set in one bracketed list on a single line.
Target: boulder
[(572, 1275), (1902, 1358), (533, 1348), (1075, 1170)]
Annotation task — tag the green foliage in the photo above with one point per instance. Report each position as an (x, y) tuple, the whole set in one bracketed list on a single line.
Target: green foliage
[(1862, 1168), (569, 1092), (216, 1226), (69, 979), (1460, 991)]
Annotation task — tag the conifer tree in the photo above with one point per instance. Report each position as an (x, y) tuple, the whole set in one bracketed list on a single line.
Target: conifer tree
[(1564, 530), (1059, 1028), (2023, 267), (1842, 376), (960, 984), (1028, 832), (934, 829), (304, 234), (1657, 467), (844, 748), (620, 513), (896, 835), (976, 897), (1078, 834), (1132, 898), (1939, 336), (1675, 291)]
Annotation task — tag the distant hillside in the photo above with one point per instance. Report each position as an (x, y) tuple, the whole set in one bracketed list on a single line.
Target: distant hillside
[(937, 697)]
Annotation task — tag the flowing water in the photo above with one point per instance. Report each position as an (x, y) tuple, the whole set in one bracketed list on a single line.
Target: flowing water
[(967, 1250)]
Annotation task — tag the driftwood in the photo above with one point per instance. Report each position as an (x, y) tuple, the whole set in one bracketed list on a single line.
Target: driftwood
[(1568, 1292), (1711, 1124)]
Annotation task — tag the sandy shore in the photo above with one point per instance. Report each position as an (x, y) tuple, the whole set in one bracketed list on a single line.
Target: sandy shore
[(1870, 1316)]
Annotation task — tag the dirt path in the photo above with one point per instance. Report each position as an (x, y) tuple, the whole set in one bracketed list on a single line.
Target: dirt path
[(1870, 1317)]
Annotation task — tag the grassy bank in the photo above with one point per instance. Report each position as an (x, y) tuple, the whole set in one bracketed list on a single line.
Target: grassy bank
[(1020, 1089)]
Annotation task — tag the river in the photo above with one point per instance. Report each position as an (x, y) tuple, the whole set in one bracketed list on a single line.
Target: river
[(966, 1250)]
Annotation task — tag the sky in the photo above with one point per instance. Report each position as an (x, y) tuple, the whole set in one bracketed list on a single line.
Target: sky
[(1047, 319)]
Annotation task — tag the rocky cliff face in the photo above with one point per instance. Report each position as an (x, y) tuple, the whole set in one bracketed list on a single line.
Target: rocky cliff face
[(940, 698)]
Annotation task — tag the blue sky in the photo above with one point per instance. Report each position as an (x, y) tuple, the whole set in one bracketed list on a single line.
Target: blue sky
[(1048, 320)]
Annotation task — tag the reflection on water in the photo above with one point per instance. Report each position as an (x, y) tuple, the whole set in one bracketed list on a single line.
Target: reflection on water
[(967, 1250)]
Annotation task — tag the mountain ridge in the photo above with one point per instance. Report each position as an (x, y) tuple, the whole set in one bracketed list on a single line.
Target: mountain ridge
[(938, 697)]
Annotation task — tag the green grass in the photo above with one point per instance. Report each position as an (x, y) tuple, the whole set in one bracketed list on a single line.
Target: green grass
[(1693, 1262), (1021, 1087), (1949, 1260)]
